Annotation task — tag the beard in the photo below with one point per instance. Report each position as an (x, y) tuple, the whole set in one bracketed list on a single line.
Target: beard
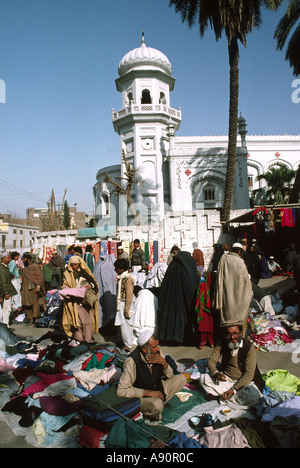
[(234, 345)]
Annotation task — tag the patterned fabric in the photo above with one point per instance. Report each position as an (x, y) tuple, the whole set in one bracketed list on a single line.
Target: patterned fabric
[(203, 302)]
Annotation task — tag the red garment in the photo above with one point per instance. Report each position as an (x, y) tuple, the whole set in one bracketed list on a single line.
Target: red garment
[(198, 257), (203, 309), (90, 437), (45, 381)]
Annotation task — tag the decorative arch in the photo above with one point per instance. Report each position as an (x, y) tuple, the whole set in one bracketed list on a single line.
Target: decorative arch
[(208, 188), (296, 165), (146, 97), (105, 203), (254, 169), (276, 162)]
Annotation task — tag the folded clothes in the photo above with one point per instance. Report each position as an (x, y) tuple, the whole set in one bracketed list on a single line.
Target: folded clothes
[(72, 292)]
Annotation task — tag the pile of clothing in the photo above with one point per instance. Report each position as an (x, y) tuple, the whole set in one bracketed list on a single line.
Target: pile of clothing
[(51, 317), (266, 330), (46, 383)]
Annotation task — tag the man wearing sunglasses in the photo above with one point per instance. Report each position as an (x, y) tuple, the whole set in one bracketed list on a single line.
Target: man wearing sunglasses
[(232, 369)]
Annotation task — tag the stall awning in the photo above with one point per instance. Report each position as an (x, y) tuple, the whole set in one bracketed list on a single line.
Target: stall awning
[(97, 232), (244, 218)]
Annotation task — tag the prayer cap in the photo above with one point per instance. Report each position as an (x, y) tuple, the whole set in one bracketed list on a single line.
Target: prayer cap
[(237, 245), (4, 254), (120, 247), (144, 337)]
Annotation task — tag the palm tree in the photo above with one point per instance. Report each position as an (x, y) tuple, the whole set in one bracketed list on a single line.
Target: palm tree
[(279, 183), (236, 18), (283, 30), (294, 196)]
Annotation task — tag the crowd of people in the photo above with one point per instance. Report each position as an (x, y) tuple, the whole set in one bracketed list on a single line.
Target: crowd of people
[(185, 305)]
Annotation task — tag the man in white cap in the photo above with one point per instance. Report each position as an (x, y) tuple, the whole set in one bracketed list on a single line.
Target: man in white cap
[(142, 377), (233, 292), (274, 267), (123, 254), (7, 289)]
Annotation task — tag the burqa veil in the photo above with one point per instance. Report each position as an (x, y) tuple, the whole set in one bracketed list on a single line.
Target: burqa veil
[(177, 298)]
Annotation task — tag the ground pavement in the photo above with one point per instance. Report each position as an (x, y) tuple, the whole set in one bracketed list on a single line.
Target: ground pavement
[(185, 355)]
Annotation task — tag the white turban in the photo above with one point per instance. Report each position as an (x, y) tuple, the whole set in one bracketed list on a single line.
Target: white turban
[(4, 254), (144, 337), (237, 245)]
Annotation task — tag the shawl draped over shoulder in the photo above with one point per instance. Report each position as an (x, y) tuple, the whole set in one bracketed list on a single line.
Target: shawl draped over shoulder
[(70, 316), (34, 274), (233, 291)]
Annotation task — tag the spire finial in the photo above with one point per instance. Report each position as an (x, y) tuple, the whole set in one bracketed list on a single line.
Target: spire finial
[(143, 37)]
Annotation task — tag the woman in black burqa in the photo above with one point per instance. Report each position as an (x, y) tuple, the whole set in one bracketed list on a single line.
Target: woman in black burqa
[(177, 298)]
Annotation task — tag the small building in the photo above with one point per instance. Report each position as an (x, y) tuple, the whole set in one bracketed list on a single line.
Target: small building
[(18, 237)]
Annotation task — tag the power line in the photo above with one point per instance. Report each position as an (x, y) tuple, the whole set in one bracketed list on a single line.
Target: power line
[(19, 191)]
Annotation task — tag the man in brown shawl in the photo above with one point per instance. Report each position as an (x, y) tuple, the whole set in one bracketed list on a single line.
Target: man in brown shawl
[(233, 291), (80, 315), (56, 261), (33, 288)]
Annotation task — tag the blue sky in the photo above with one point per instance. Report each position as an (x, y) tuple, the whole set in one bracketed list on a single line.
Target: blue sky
[(59, 61)]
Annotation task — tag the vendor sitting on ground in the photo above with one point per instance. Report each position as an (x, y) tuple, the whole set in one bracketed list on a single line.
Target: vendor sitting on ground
[(238, 369), (274, 267), (142, 377)]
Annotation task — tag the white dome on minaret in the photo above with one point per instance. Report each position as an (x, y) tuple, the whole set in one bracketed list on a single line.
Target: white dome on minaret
[(144, 56)]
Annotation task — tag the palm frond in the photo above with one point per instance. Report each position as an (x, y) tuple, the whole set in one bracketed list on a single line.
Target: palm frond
[(293, 52)]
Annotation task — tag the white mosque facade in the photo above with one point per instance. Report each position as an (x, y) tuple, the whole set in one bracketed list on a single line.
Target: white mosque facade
[(177, 174)]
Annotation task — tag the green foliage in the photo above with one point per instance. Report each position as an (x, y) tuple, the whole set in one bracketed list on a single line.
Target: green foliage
[(279, 181), (66, 216), (284, 31)]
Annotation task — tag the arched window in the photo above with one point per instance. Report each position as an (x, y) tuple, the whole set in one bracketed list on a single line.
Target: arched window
[(129, 97), (105, 204), (146, 98), (162, 98), (209, 194)]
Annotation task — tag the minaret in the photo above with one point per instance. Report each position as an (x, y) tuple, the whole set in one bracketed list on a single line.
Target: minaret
[(145, 81)]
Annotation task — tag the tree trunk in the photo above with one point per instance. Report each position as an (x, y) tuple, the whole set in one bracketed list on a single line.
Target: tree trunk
[(233, 50), (132, 209)]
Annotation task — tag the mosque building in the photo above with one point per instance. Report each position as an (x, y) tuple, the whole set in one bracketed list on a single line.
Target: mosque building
[(176, 174)]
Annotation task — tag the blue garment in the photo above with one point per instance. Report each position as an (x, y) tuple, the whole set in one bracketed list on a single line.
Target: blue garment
[(287, 408), (182, 441), (13, 268), (67, 258), (271, 399)]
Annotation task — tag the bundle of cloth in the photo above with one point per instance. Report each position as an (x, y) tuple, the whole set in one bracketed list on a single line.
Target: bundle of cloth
[(266, 330)]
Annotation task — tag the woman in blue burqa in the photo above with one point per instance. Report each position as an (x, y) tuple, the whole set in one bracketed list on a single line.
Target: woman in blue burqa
[(177, 298), (105, 275)]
